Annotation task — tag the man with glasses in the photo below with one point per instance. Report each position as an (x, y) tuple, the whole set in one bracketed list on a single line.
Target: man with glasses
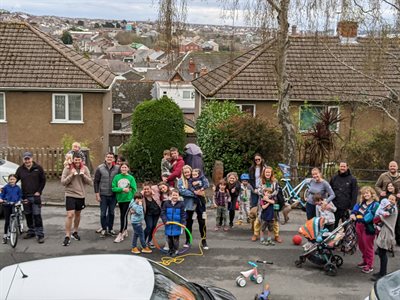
[(33, 180)]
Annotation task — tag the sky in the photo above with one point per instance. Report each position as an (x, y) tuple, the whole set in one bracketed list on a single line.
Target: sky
[(199, 11)]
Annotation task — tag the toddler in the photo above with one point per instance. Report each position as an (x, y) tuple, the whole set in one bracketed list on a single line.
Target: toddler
[(244, 198), (76, 148), (137, 217), (267, 217), (221, 200), (166, 165), (199, 182), (325, 210), (173, 211), (11, 193)]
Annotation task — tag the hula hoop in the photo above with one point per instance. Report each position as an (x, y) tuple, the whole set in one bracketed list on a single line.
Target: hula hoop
[(171, 223)]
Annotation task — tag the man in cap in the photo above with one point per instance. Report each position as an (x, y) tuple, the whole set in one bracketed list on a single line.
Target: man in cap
[(33, 180)]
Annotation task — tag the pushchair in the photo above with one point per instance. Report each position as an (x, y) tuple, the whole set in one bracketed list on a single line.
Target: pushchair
[(321, 244)]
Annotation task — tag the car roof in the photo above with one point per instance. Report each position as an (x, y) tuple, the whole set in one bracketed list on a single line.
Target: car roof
[(104, 276)]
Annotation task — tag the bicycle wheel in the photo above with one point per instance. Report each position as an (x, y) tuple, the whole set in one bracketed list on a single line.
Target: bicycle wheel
[(13, 232)]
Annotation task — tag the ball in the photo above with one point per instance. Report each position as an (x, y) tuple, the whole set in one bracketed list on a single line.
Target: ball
[(297, 239)]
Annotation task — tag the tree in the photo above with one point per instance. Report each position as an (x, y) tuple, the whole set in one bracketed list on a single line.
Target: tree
[(156, 125), (96, 25), (67, 38)]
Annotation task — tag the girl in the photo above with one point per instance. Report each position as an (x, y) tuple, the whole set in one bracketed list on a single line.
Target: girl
[(363, 213), (317, 186), (255, 177), (189, 199), (390, 190), (10, 193), (267, 217), (124, 187), (233, 186), (268, 181), (152, 212), (386, 237)]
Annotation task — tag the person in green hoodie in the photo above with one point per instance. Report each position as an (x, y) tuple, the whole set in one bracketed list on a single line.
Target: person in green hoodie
[(124, 187)]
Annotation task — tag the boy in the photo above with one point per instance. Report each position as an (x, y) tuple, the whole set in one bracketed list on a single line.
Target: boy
[(199, 182), (267, 217), (244, 198), (166, 165), (221, 200), (137, 217), (173, 211), (326, 210)]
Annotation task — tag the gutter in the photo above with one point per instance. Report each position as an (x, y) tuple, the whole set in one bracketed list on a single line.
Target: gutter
[(42, 89)]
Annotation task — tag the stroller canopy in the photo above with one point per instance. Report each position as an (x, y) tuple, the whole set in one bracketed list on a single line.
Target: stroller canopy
[(312, 229)]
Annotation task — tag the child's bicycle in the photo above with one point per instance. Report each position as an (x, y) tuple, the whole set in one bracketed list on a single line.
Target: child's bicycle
[(253, 274), (16, 223), (296, 195)]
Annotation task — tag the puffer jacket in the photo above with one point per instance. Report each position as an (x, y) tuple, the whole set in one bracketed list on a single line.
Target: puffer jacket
[(103, 178), (173, 213)]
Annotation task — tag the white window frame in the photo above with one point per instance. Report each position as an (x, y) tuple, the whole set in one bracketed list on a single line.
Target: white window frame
[(66, 120), (191, 95), (240, 106), (4, 118), (322, 106)]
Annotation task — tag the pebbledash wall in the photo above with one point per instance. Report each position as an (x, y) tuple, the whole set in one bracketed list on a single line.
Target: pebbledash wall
[(29, 122)]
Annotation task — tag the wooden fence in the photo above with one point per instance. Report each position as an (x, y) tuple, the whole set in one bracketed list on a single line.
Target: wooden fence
[(51, 159)]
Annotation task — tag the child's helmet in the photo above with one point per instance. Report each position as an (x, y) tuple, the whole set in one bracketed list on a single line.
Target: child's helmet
[(244, 176)]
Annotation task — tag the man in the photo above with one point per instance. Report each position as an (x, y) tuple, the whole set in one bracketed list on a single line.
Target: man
[(74, 178), (345, 187), (103, 178), (33, 181), (178, 164), (392, 176)]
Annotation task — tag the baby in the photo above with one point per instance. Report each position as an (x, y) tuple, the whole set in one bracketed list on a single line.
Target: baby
[(326, 210), (385, 209)]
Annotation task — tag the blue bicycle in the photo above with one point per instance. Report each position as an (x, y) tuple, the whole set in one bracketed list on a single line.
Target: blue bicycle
[(297, 195)]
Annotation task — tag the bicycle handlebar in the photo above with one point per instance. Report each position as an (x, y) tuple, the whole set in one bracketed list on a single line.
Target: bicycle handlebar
[(252, 264), (265, 262), (12, 203)]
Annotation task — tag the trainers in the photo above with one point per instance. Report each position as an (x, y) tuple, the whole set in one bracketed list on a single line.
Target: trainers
[(4, 240), (270, 243), (147, 250), (361, 265), (76, 237), (186, 245), (135, 250), (376, 277), (231, 225), (119, 238), (217, 228), (278, 239), (67, 241), (125, 234), (166, 247), (40, 240), (29, 236), (254, 238), (226, 228), (367, 270), (204, 244), (103, 233), (99, 230), (112, 232), (264, 242), (151, 245)]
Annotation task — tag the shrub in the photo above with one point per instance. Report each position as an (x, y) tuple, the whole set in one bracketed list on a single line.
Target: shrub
[(156, 125)]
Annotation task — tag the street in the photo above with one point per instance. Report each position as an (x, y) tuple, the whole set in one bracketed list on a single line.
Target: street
[(228, 255)]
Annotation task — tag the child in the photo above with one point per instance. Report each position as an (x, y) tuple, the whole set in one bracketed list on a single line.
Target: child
[(267, 217), (137, 217), (166, 165), (363, 213), (325, 210), (173, 211), (384, 210), (199, 182), (244, 198), (233, 186), (76, 148), (10, 193), (386, 237), (221, 200)]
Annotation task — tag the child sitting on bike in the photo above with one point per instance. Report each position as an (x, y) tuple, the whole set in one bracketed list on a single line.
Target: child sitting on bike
[(9, 196)]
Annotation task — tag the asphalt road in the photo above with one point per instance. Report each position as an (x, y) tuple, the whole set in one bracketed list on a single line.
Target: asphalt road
[(228, 255)]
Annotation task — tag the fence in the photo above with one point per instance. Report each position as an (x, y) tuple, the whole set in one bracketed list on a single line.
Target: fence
[(51, 159)]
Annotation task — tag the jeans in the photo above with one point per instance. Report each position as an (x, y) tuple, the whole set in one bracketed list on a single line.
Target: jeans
[(310, 211), (221, 215), (151, 224), (107, 207), (138, 233), (33, 216)]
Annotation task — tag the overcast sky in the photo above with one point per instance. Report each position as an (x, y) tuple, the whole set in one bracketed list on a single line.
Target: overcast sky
[(199, 11)]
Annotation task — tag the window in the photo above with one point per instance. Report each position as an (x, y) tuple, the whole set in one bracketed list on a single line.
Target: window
[(248, 108), (187, 95), (67, 108), (2, 107), (309, 116)]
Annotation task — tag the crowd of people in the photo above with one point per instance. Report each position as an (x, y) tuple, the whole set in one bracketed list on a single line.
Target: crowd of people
[(180, 197)]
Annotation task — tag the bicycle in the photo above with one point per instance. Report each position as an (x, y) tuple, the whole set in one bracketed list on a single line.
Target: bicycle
[(16, 223), (294, 195)]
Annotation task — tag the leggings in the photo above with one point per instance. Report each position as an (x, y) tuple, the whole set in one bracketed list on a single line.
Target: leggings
[(151, 224), (8, 210), (123, 209), (382, 253), (189, 224)]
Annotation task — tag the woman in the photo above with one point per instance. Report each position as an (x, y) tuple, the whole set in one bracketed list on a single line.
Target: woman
[(255, 172), (318, 185), (268, 180), (233, 186), (189, 199), (152, 212), (124, 187)]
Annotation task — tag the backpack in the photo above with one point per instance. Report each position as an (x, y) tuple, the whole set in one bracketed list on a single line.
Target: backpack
[(349, 241)]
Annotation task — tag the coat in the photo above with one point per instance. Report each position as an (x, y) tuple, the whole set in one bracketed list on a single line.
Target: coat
[(384, 180), (173, 213), (386, 237), (345, 188)]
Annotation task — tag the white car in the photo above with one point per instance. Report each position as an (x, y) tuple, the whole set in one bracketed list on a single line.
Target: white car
[(100, 277), (6, 168)]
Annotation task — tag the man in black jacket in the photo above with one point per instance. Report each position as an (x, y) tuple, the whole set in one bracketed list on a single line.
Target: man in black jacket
[(33, 180), (346, 190)]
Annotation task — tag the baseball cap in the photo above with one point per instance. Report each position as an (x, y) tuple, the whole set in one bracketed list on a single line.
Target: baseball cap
[(27, 154)]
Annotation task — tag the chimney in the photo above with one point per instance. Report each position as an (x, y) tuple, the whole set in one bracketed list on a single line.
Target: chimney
[(192, 66), (347, 29), (203, 71), (294, 29)]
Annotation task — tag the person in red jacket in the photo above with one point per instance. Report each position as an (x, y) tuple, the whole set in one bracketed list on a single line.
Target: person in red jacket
[(178, 164)]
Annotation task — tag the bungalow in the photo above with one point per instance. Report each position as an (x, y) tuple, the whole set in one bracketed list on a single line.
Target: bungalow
[(47, 90)]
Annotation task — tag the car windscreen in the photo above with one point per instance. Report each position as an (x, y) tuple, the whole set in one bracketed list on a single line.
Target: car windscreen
[(169, 286)]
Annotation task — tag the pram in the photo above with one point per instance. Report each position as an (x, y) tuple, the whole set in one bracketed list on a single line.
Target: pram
[(321, 244)]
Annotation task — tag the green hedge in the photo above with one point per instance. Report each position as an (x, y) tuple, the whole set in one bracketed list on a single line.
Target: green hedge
[(156, 125)]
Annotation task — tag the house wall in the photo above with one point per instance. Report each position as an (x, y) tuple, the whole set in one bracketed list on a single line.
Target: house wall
[(29, 116), (175, 91)]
